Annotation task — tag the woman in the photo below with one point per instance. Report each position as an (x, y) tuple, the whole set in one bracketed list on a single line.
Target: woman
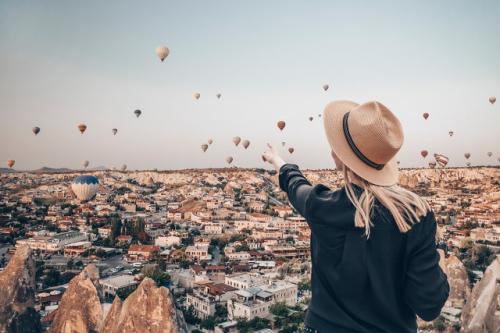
[(374, 260)]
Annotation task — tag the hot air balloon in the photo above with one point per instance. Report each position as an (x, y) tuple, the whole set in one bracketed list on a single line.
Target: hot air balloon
[(85, 163), (124, 167), (467, 155), (219, 96), (468, 164), (281, 125), (236, 140), (426, 115), (432, 165), (36, 130), (137, 113), (489, 154), (264, 158), (424, 153), (325, 87), (319, 115), (311, 118), (10, 163), (291, 150), (114, 130), (85, 187), (196, 95), (450, 133), (210, 141), (162, 52), (398, 162), (441, 160), (492, 99), (82, 128), (245, 144), (229, 160), (204, 147), (283, 143)]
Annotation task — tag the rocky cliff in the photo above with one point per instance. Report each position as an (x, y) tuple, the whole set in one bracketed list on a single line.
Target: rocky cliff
[(80, 310), (17, 294), (148, 307), (457, 279), (481, 313)]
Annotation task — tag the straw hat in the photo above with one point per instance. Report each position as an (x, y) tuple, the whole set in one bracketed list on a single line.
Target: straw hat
[(366, 138)]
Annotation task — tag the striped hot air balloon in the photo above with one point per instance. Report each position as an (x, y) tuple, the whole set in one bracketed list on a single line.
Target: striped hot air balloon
[(85, 187)]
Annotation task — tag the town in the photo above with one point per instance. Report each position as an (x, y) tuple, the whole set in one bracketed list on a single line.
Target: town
[(226, 242)]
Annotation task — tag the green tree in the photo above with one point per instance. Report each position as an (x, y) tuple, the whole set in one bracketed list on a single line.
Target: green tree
[(279, 309), (439, 324), (153, 272), (52, 278), (208, 323), (116, 227), (70, 264)]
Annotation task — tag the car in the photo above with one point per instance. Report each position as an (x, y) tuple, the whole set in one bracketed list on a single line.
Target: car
[(137, 264)]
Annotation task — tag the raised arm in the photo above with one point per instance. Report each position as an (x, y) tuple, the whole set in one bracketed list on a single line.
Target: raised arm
[(291, 180)]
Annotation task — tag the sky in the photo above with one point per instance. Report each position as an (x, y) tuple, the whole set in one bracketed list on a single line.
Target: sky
[(68, 62)]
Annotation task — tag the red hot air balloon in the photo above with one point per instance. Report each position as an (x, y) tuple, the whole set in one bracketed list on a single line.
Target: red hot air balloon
[(424, 153), (82, 128), (210, 141), (426, 115), (10, 163), (291, 150), (281, 125)]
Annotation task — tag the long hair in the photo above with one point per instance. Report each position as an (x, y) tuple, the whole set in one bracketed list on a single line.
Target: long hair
[(405, 206)]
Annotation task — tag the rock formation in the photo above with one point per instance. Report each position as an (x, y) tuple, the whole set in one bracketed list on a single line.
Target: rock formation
[(458, 281), (481, 313), (80, 310), (147, 309), (17, 294)]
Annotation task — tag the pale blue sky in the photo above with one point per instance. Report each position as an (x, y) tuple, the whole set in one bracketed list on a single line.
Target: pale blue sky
[(93, 61)]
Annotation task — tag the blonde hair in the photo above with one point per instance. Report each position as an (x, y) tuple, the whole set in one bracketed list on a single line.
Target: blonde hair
[(405, 206)]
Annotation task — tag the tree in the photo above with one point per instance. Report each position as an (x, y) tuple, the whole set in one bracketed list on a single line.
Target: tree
[(70, 264), (116, 227), (439, 324), (153, 272), (279, 309), (208, 323), (190, 315), (304, 285), (220, 311), (52, 278)]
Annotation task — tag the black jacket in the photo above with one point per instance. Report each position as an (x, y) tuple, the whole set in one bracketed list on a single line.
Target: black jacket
[(365, 285)]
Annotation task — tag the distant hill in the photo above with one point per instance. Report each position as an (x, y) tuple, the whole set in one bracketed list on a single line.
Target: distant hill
[(52, 170), (6, 170)]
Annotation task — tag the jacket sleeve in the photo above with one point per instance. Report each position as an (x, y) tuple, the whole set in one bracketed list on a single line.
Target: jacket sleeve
[(426, 287), (298, 188)]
